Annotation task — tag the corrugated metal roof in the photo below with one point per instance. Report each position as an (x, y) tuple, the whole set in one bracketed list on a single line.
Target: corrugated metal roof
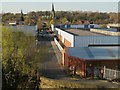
[(95, 53), (84, 41)]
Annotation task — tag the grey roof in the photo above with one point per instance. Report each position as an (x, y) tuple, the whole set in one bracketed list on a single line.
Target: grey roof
[(95, 53), (108, 29), (29, 30), (83, 32)]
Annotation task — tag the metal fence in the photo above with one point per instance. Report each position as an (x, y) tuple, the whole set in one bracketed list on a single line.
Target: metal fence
[(111, 74)]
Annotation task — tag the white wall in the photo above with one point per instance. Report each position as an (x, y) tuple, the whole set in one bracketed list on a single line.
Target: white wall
[(83, 41), (66, 35)]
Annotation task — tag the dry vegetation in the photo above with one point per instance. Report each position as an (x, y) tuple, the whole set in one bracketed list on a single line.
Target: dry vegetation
[(51, 83)]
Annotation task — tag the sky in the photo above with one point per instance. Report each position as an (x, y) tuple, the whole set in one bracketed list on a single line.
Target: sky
[(60, 0), (15, 6)]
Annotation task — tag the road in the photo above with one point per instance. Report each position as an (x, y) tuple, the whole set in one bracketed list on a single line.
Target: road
[(51, 68)]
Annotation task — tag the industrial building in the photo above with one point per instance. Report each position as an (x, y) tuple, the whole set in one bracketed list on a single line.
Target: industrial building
[(115, 26), (82, 38), (91, 60), (83, 49), (112, 29)]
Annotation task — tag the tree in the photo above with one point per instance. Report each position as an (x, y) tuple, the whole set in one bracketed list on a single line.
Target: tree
[(64, 20), (17, 60)]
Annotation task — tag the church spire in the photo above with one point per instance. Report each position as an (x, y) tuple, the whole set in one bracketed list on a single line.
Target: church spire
[(21, 16), (53, 13), (53, 7)]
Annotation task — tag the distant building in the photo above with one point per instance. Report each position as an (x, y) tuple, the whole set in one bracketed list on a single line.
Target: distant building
[(12, 23), (109, 31), (17, 22), (116, 26)]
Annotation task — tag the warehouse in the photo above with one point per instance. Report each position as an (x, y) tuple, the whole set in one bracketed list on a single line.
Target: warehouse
[(82, 38), (85, 51), (89, 60)]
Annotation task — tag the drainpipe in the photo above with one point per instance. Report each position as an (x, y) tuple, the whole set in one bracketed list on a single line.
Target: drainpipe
[(84, 69)]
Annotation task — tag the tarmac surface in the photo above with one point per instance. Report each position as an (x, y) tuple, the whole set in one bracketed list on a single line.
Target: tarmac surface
[(51, 67)]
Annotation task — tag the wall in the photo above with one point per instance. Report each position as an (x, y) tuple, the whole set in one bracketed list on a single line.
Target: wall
[(65, 35), (84, 25), (58, 45), (95, 26), (84, 41), (77, 26), (67, 43)]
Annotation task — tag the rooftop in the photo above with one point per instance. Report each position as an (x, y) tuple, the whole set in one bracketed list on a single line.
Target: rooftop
[(108, 29), (114, 25), (80, 32), (95, 53)]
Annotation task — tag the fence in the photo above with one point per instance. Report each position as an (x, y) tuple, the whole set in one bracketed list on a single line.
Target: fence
[(111, 74)]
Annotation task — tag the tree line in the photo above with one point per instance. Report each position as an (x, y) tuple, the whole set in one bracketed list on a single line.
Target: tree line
[(71, 17)]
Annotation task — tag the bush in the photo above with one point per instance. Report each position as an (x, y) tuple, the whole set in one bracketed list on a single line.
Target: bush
[(18, 61)]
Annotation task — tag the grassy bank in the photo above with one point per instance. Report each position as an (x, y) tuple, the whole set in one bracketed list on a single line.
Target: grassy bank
[(50, 83)]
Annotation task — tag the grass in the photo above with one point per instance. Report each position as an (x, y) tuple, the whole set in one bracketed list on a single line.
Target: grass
[(51, 83)]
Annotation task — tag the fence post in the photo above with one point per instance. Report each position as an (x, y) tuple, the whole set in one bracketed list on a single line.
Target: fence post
[(104, 72), (115, 74)]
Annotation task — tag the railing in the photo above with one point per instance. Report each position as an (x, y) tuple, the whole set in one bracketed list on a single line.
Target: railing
[(58, 45), (111, 74)]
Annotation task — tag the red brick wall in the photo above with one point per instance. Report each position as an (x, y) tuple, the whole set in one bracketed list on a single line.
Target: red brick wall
[(59, 37)]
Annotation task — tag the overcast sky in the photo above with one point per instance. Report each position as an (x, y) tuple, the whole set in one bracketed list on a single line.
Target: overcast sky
[(101, 6)]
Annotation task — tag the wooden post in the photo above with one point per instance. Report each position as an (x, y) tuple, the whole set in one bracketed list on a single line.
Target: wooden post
[(104, 72), (115, 74)]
